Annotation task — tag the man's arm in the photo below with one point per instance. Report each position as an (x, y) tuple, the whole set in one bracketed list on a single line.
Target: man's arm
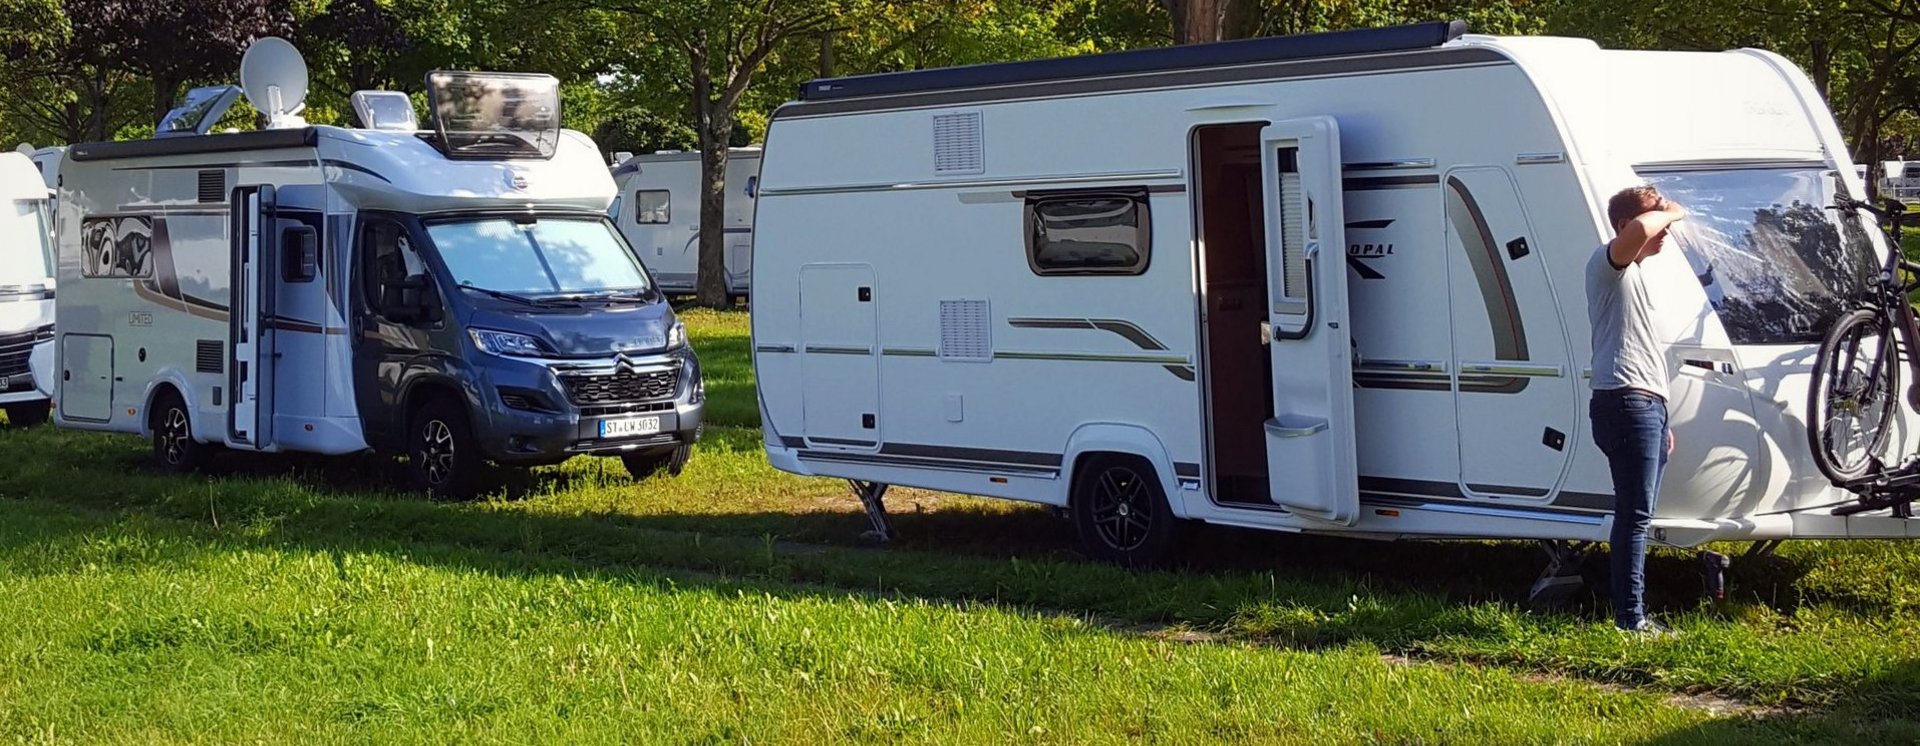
[(1637, 232)]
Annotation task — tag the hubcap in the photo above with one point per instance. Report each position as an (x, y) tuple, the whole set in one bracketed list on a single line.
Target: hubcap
[(173, 434), (436, 451), (1122, 508)]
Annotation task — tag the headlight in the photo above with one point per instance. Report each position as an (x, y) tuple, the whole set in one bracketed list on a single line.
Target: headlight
[(677, 335), (507, 343)]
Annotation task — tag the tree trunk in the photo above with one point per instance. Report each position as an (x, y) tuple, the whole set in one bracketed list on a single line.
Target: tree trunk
[(163, 91), (713, 121), (1198, 21)]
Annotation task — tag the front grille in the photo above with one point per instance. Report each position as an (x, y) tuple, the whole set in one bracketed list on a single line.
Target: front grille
[(15, 349), (623, 386)]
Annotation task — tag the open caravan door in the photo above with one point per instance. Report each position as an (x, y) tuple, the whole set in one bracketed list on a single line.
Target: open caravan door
[(1311, 464), (250, 342)]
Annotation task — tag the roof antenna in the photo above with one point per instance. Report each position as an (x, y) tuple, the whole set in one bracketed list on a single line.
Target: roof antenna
[(275, 79)]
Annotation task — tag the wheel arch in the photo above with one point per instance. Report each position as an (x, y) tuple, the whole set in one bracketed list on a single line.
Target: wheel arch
[(1095, 439)]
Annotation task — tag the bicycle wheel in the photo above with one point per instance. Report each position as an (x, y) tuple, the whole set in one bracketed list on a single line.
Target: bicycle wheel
[(1854, 395)]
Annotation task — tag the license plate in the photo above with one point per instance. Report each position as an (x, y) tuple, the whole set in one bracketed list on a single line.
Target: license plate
[(630, 427)]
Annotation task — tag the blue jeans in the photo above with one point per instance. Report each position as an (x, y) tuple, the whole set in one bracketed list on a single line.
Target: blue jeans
[(1631, 429)]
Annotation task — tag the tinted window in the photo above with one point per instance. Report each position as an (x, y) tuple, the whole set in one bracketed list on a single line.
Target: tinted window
[(652, 207), (1080, 233), (390, 258), (1778, 266)]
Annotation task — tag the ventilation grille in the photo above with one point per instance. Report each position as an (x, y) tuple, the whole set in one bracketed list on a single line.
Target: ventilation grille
[(966, 331), (1293, 238), (213, 186), (209, 356), (957, 145)]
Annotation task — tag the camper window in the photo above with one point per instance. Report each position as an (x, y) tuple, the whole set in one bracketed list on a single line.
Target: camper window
[(1778, 266), (117, 246), (1093, 232), (653, 207)]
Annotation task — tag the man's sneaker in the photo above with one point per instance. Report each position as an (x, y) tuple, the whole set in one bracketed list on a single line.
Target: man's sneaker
[(1649, 629)]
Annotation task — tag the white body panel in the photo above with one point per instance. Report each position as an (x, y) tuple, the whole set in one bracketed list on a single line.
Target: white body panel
[(26, 284), (1475, 182), (128, 333), (671, 249)]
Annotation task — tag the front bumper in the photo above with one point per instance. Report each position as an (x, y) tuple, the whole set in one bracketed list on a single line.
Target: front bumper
[(544, 412)]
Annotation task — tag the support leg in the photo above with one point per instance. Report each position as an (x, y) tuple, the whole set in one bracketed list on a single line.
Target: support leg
[(873, 497), (1562, 581)]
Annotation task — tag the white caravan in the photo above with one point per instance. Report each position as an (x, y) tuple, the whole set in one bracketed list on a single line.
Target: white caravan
[(456, 295), (658, 210), (1326, 284), (26, 293)]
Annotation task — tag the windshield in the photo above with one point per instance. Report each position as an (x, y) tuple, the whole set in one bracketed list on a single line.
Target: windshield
[(1778, 266), (546, 257), (26, 245)]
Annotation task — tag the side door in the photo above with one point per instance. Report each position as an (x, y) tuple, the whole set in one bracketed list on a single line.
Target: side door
[(249, 338), (839, 362), (1311, 462), (300, 315), (395, 310)]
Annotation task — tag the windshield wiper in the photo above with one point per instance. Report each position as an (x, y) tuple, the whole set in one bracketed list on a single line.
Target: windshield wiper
[(521, 299)]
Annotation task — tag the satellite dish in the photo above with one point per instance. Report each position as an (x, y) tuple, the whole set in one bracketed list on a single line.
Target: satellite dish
[(275, 79)]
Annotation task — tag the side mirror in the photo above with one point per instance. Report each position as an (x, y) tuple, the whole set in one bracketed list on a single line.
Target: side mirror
[(299, 254)]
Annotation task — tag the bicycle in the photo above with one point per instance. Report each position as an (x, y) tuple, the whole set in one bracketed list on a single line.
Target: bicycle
[(1854, 395)]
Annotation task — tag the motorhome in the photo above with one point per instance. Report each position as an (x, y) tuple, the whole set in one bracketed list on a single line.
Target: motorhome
[(1326, 284), (26, 293), (455, 295), (659, 212)]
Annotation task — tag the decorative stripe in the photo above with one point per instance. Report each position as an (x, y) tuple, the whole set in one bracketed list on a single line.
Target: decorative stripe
[(1031, 181), (282, 323), (1091, 357), (354, 167), (1408, 163), (1496, 288), (29, 295), (773, 348)]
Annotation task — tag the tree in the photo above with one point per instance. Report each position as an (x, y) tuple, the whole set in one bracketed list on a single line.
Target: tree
[(720, 46), (172, 42), (1198, 21), (54, 91)]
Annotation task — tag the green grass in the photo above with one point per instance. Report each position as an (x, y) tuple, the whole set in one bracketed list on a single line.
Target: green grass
[(143, 607)]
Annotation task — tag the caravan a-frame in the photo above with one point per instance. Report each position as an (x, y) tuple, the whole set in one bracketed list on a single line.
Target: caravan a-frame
[(1327, 284)]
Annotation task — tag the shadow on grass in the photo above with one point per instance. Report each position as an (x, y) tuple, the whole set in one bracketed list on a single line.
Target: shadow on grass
[(1861, 715)]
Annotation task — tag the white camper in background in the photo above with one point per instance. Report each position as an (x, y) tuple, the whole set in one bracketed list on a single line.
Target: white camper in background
[(1327, 284), (26, 293), (457, 295), (659, 212)]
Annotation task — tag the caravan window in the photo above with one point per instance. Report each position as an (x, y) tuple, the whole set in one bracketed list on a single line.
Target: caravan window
[(117, 246), (653, 207), (1097, 232), (1778, 266)]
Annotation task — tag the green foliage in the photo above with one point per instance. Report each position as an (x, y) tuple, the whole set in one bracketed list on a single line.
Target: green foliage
[(302, 599)]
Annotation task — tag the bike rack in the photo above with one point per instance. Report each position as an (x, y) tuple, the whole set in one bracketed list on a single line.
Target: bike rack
[(1894, 489)]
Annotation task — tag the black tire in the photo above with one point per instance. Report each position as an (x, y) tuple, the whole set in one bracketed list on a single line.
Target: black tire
[(174, 449), (1121, 512), (1854, 395), (27, 414), (442, 458), (670, 462)]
